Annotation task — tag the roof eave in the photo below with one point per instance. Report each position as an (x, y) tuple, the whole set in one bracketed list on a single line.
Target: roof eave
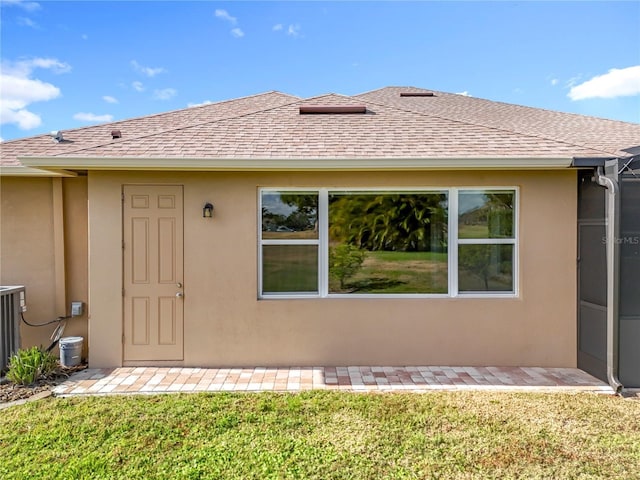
[(25, 171), (590, 162), (57, 164)]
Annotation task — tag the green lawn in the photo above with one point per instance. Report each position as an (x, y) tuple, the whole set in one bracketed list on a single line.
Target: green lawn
[(473, 231), (323, 435), (399, 272)]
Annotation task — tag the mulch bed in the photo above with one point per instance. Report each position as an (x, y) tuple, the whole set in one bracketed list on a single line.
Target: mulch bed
[(10, 392)]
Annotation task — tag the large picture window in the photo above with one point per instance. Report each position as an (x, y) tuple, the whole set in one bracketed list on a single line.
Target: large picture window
[(331, 242), (388, 242)]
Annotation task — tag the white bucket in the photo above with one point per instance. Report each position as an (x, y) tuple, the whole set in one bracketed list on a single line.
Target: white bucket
[(70, 351)]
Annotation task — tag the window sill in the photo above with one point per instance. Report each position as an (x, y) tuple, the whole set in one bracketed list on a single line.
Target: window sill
[(391, 296)]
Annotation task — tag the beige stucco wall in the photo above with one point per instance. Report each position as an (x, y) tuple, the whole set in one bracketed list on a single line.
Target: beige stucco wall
[(76, 247), (225, 324), (31, 210)]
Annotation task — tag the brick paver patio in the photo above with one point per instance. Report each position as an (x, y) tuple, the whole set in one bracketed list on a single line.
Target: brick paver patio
[(147, 380)]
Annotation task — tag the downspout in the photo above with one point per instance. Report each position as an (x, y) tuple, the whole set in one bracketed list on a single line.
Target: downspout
[(608, 178)]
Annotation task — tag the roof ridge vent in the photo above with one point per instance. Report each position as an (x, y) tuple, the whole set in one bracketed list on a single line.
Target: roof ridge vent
[(417, 94), (57, 136), (335, 109)]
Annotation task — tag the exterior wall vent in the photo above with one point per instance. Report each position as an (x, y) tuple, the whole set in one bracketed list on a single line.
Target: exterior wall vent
[(336, 109), (116, 134), (417, 94)]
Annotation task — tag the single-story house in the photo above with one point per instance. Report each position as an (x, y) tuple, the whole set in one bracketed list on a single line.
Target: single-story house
[(401, 226)]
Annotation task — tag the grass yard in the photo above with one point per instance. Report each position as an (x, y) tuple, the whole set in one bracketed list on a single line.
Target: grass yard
[(323, 435), (399, 272), (480, 230)]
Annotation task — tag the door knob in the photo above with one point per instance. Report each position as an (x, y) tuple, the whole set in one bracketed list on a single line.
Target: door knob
[(179, 294), (179, 285)]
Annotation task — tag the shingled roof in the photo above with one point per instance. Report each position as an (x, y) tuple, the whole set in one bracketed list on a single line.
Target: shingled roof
[(271, 126), (131, 129), (609, 136)]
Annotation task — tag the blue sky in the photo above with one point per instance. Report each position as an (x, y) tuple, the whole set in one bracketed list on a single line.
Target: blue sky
[(76, 63)]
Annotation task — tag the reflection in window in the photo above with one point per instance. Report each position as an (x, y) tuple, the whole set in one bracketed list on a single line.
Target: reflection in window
[(485, 268), (289, 215), (485, 214), (339, 242), (388, 242), (486, 241), (289, 242), (290, 268)]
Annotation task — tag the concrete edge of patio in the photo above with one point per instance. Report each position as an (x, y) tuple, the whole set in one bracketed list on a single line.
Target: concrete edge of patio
[(416, 379)]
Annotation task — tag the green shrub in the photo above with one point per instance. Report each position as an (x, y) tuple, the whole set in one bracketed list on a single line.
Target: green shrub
[(27, 366), (344, 261)]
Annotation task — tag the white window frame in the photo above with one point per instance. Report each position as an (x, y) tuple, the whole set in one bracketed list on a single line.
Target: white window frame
[(453, 242), (262, 242)]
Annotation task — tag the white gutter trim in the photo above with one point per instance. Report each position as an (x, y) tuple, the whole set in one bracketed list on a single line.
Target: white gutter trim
[(18, 171), (613, 265), (295, 164)]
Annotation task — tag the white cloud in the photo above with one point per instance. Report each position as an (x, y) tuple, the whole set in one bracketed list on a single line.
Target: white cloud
[(574, 80), (164, 94), (25, 67), (206, 102), (293, 30), (224, 15), (24, 119), (148, 71), (18, 90), (617, 82), (464, 94), (85, 36), (109, 99), (554, 81), (138, 86), (26, 22), (28, 6), (92, 117)]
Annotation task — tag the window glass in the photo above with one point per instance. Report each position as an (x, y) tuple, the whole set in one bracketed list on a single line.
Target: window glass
[(485, 268), (289, 215), (485, 214), (388, 242), (289, 268)]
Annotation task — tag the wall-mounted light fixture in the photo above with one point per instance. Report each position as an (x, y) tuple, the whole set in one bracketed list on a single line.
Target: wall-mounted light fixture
[(207, 210)]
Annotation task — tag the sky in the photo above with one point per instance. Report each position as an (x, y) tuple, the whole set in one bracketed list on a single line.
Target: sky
[(76, 63)]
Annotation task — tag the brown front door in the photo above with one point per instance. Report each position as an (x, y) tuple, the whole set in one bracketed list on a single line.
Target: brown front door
[(153, 272)]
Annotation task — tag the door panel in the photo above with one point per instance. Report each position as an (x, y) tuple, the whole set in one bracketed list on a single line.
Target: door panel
[(167, 251), (166, 320), (630, 282), (592, 278), (140, 250), (153, 272), (140, 328)]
